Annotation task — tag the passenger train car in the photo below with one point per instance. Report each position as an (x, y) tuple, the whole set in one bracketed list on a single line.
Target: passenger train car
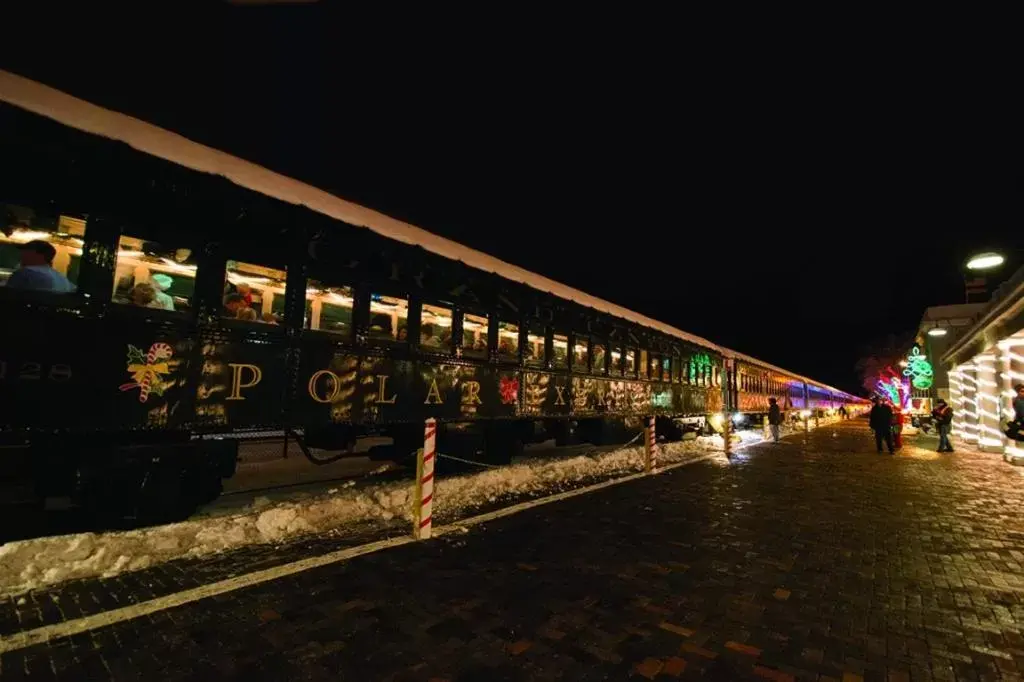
[(216, 300)]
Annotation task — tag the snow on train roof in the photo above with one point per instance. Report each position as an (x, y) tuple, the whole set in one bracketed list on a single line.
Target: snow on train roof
[(76, 113)]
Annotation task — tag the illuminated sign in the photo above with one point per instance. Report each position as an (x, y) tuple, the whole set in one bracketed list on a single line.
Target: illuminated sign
[(919, 370)]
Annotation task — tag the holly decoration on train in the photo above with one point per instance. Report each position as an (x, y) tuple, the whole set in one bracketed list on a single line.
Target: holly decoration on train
[(148, 369)]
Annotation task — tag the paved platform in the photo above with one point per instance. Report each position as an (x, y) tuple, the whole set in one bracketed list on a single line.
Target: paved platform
[(813, 559)]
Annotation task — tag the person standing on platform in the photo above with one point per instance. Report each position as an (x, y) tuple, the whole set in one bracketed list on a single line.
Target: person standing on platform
[(774, 418), (943, 417), (842, 412), (880, 421), (1015, 428)]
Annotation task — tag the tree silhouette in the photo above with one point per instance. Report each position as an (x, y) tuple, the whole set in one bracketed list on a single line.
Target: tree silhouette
[(876, 356)]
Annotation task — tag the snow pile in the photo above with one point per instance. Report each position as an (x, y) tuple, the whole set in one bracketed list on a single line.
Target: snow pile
[(31, 564)]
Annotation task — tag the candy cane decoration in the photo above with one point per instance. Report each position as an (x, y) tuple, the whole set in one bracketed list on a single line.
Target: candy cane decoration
[(650, 447), (425, 482), (157, 352)]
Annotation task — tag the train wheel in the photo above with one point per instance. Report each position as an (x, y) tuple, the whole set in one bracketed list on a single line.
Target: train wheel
[(165, 497)]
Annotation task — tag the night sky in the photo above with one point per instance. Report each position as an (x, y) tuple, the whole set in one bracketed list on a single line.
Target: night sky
[(791, 208)]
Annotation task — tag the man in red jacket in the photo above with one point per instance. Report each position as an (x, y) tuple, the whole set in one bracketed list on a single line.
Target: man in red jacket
[(943, 417)]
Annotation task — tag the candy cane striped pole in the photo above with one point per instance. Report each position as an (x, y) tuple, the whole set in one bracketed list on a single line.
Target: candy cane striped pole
[(650, 447), (425, 482)]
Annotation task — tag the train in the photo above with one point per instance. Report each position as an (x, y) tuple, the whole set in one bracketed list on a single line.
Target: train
[(216, 301)]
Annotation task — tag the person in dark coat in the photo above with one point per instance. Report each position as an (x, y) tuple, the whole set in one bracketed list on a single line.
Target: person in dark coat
[(774, 418), (943, 417), (880, 420), (1015, 429)]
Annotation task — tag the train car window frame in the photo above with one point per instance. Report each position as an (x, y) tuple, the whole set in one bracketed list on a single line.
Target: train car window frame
[(444, 345), (531, 328), (643, 363), (616, 365), (392, 340), (599, 365), (583, 366), (629, 362), (66, 239), (654, 367), (325, 289), (557, 338), (259, 320), (666, 369), (503, 322), (173, 267), (475, 353)]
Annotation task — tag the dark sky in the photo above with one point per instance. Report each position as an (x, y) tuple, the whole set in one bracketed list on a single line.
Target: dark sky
[(790, 205)]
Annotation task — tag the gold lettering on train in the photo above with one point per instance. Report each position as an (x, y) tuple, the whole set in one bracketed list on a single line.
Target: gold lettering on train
[(335, 386), (236, 379), (434, 393), (382, 382), (471, 394), (560, 396)]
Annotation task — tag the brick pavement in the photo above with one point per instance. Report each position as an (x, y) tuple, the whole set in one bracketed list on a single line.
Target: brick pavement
[(811, 559)]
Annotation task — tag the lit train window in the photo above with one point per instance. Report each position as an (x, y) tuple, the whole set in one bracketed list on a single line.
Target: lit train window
[(328, 309), (616, 361), (599, 357), (654, 368), (631, 362), (534, 351), (580, 352), (643, 364), (253, 293), (508, 340), (666, 369), (39, 253), (389, 318), (152, 275), (474, 335), (560, 347), (436, 328)]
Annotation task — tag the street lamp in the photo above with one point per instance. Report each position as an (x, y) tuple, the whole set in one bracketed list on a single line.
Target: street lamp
[(977, 265), (985, 261)]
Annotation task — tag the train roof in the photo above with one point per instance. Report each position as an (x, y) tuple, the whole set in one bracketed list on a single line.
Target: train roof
[(77, 113)]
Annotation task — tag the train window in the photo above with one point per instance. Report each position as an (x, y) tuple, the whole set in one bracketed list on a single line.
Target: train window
[(39, 253), (677, 369), (631, 362), (389, 318), (328, 309), (508, 340), (560, 346), (253, 293), (436, 327), (580, 352), (654, 369), (534, 351), (666, 369), (616, 361), (599, 357), (152, 275), (643, 364), (474, 335)]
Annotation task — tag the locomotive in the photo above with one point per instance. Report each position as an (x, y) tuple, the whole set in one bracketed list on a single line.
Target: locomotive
[(215, 301)]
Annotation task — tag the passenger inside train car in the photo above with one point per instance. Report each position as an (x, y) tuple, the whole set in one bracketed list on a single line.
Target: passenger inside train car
[(46, 249)]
